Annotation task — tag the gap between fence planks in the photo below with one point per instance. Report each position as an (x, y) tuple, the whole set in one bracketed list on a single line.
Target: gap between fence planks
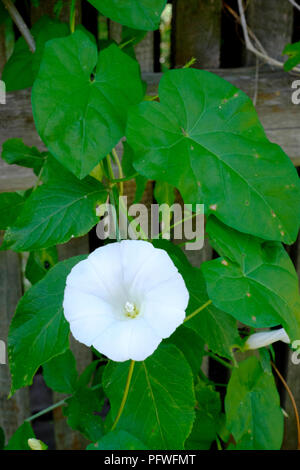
[(279, 116)]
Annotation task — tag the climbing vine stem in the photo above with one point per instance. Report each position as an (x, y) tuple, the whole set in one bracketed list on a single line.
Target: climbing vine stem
[(125, 395), (72, 16), (198, 310)]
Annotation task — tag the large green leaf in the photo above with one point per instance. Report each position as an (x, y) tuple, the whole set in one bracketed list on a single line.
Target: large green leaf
[(138, 14), (23, 65), (80, 111), (19, 440), (39, 331), (118, 440), (253, 412), (11, 205), (55, 212), (204, 137), (254, 281), (208, 414), (160, 404)]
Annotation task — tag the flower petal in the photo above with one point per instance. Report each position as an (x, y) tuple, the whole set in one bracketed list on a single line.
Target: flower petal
[(84, 278), (162, 318), (157, 269), (144, 340), (134, 255), (87, 314), (131, 339), (106, 262), (174, 290)]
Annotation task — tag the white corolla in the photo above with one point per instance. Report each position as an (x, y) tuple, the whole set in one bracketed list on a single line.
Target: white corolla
[(264, 338), (124, 299)]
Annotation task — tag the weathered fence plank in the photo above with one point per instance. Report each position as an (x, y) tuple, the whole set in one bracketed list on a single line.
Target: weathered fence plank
[(196, 29), (13, 411), (272, 23)]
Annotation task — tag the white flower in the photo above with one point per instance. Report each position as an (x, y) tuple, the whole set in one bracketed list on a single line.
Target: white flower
[(264, 338), (124, 299)]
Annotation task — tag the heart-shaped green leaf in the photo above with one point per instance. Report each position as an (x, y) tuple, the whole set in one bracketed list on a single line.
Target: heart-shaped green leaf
[(55, 212), (80, 110), (253, 412), (160, 404), (204, 137), (138, 14), (254, 281)]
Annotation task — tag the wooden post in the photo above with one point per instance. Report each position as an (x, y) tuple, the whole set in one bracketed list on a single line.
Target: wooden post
[(272, 23), (2, 47), (47, 8), (292, 377), (13, 411), (144, 50), (196, 27)]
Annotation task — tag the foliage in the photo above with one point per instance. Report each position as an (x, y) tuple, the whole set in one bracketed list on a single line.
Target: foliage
[(201, 138), (293, 52)]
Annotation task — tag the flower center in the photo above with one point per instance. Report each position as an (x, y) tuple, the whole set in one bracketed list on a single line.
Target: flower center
[(130, 310)]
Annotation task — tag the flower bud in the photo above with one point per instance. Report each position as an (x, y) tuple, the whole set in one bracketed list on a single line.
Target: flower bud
[(35, 444), (264, 338)]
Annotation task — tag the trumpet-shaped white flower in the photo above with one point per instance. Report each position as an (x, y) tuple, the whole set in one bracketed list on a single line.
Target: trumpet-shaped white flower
[(264, 338), (124, 299)]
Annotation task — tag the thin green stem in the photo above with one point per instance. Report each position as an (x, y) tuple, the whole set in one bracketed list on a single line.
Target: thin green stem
[(218, 359), (125, 395), (219, 445), (55, 405), (128, 178), (109, 166), (113, 201), (203, 377), (178, 223), (72, 16), (190, 63), (198, 310), (38, 178), (116, 158), (46, 410)]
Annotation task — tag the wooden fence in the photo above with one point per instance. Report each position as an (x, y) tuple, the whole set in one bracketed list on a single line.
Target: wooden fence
[(208, 30)]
